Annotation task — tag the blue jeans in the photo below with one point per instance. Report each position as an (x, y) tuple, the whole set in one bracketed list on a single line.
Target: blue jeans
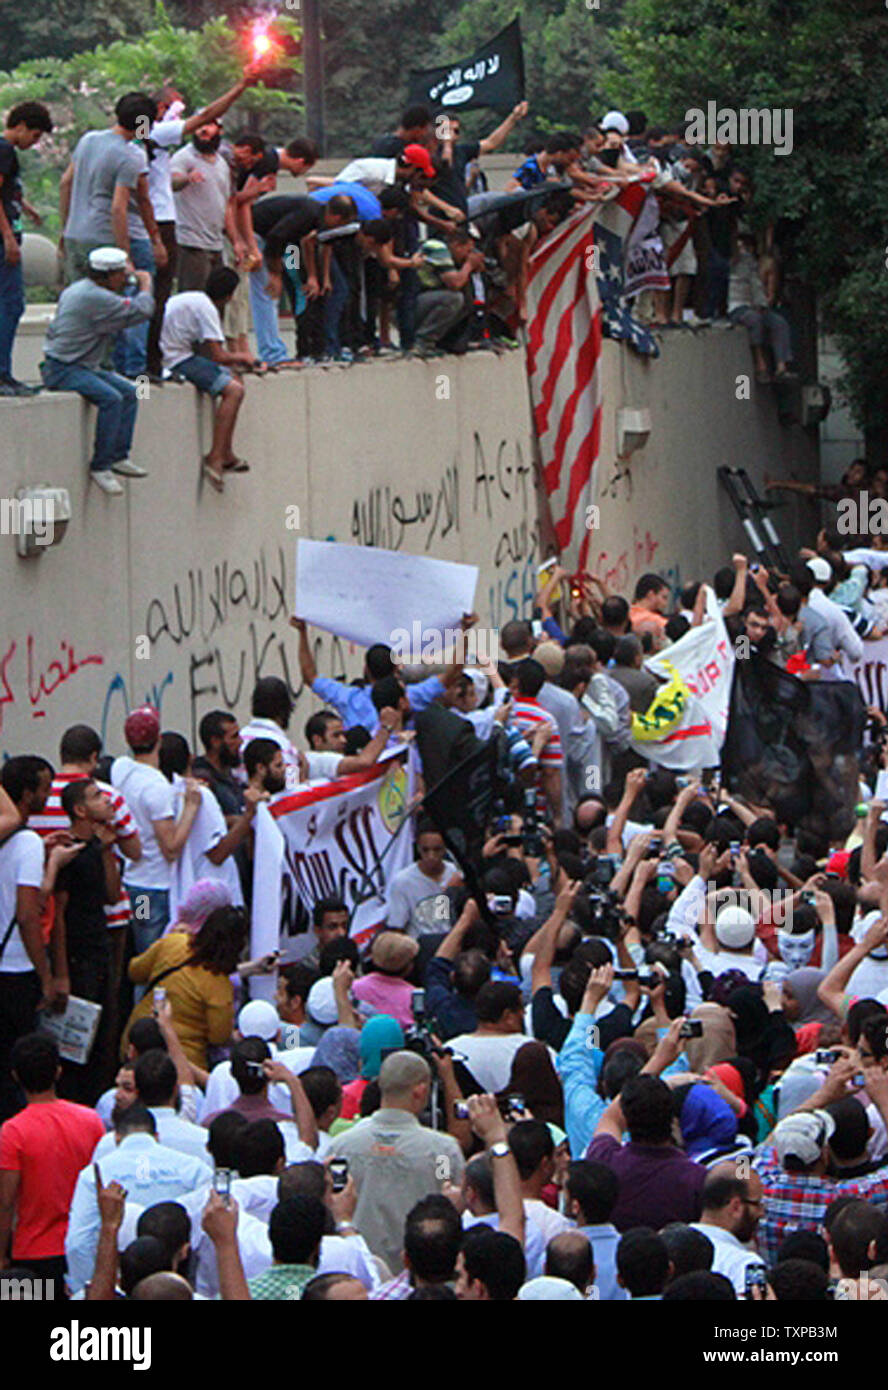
[(12, 305), (334, 304), (147, 929), (116, 401), (717, 296), (130, 356), (270, 347)]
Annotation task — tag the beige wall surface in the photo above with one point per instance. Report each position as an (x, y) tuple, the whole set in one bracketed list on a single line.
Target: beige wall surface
[(431, 458)]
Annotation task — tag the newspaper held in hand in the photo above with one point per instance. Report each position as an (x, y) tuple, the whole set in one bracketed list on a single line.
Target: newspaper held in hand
[(75, 1029)]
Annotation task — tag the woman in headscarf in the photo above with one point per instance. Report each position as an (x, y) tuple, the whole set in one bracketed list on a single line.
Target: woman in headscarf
[(804, 1008), (763, 1033), (340, 1050), (719, 1040), (202, 898), (706, 1120), (534, 1078), (377, 1035)]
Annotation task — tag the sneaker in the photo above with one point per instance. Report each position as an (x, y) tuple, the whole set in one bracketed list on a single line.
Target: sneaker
[(127, 469), (106, 482), (10, 387)]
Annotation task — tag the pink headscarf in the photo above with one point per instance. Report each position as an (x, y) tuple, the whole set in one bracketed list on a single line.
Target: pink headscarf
[(203, 897)]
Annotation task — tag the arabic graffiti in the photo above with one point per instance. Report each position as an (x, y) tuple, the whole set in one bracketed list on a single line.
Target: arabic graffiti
[(39, 678), (385, 516), (619, 571), (222, 628)]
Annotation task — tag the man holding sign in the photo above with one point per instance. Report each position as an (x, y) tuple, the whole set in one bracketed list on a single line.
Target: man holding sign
[(354, 703)]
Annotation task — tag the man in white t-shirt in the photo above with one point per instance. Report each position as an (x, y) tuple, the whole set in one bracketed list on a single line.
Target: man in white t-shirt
[(417, 899), (25, 977), (149, 797), (490, 1051), (325, 736), (193, 346), (169, 130)]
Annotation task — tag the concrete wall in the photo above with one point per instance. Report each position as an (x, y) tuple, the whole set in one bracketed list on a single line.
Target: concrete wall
[(375, 454)]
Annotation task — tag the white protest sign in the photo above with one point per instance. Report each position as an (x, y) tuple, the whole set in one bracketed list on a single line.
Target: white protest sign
[(341, 838), (75, 1029), (870, 674), (366, 595)]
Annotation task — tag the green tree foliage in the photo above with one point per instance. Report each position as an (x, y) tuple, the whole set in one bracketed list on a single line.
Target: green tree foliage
[(81, 91), (61, 28), (828, 64), (567, 51), (368, 52)]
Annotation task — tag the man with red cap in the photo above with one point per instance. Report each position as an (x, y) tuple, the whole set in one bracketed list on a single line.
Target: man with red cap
[(150, 798)]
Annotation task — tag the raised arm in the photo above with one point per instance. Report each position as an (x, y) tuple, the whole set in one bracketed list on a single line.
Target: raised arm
[(307, 667), (490, 1127)]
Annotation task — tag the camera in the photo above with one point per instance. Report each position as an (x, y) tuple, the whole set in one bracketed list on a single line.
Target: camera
[(691, 1028), (807, 897), (417, 1005), (255, 1068), (603, 871), (222, 1182), (531, 837)]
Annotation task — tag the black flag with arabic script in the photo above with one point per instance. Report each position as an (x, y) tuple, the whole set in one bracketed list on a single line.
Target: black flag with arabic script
[(492, 76), (792, 745)]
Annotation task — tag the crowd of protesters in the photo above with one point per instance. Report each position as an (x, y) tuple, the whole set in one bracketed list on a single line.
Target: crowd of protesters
[(630, 1042), (175, 243)]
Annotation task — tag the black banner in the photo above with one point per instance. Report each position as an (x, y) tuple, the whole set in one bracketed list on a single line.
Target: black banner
[(792, 745), (492, 76)]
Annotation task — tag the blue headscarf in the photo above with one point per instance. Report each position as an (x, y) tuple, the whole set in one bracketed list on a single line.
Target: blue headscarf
[(379, 1032), (706, 1121), (340, 1049)]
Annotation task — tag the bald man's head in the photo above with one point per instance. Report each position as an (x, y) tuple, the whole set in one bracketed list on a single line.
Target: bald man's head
[(569, 1256), (163, 1288), (732, 1198)]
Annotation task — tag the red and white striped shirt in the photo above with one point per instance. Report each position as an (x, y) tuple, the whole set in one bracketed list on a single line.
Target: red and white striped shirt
[(527, 714), (53, 817)]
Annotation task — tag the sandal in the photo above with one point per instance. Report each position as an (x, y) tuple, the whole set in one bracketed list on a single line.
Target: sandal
[(236, 466), (213, 478)]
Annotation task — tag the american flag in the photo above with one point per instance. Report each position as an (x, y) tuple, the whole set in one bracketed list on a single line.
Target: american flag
[(569, 310)]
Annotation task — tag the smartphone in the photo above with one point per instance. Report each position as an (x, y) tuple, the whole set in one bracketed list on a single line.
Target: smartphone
[(755, 1277), (339, 1173), (255, 1068), (734, 848), (417, 1004), (858, 1079), (691, 1028), (160, 995), (500, 904), (222, 1183), (516, 1107), (460, 1110), (825, 1056), (808, 897)]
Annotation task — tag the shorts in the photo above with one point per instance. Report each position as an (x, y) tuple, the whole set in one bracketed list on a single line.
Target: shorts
[(204, 373), (685, 262)]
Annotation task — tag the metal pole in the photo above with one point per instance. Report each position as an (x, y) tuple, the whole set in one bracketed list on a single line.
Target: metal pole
[(313, 72)]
